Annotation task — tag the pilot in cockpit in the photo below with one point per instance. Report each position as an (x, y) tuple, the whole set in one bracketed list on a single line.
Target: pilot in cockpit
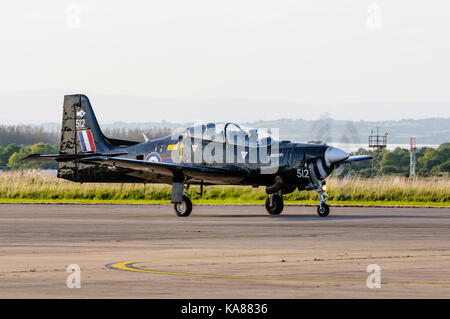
[(253, 138)]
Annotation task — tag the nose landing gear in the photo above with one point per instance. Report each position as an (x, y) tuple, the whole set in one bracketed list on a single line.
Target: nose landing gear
[(323, 210)]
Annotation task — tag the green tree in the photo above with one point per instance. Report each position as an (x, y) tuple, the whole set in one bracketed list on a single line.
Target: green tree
[(433, 161), (419, 154), (15, 160), (8, 151), (396, 162), (430, 161), (443, 168), (442, 157), (444, 152), (42, 148)]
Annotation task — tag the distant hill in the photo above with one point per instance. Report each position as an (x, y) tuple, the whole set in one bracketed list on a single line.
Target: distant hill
[(36, 107), (427, 131)]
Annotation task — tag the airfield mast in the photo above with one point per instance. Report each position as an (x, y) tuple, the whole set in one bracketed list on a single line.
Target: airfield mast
[(412, 160), (377, 142)]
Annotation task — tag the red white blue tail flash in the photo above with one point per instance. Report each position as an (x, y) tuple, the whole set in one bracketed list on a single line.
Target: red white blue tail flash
[(86, 140)]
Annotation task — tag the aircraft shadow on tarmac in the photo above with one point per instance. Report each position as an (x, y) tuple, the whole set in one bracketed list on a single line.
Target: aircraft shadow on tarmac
[(337, 217), (330, 218)]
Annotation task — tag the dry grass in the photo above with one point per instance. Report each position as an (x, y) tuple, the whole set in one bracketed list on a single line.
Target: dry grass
[(32, 185)]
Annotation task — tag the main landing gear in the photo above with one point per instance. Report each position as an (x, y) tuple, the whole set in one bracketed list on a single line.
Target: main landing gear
[(274, 204), (181, 203), (183, 208)]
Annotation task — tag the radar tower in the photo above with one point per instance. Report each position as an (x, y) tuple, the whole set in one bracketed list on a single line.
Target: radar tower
[(377, 143)]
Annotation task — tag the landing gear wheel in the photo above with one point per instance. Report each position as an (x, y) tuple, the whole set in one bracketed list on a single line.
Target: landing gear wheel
[(184, 208), (277, 205), (323, 210)]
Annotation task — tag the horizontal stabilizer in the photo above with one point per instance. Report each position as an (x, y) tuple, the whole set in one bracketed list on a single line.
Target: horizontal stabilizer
[(63, 157)]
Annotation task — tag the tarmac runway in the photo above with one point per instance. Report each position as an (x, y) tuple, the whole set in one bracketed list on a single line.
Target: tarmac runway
[(146, 251)]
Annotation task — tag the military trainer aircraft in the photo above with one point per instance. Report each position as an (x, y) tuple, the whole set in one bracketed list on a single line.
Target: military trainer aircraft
[(203, 154)]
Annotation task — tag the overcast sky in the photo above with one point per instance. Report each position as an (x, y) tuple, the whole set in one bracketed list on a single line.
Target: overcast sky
[(207, 59)]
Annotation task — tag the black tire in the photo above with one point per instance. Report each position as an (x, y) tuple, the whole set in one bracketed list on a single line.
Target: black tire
[(277, 205), (184, 208), (323, 210)]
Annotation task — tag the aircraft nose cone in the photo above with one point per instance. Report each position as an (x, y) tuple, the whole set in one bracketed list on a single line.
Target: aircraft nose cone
[(335, 155)]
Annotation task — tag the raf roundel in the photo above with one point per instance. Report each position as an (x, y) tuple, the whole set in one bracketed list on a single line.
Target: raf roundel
[(153, 157)]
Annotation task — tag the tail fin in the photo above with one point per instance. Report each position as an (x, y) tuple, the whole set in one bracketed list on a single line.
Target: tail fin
[(81, 134), (81, 137)]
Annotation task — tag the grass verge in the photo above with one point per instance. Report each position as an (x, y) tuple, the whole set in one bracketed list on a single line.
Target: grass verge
[(36, 187)]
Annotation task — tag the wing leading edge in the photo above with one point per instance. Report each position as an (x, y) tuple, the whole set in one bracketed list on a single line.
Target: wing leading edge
[(357, 158)]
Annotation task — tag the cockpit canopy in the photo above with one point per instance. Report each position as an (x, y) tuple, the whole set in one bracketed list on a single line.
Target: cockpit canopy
[(231, 133)]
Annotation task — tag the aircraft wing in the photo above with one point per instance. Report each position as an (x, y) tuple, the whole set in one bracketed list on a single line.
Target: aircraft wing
[(229, 174), (357, 158)]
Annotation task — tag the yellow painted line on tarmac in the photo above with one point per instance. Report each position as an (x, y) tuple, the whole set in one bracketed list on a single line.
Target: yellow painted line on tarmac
[(130, 266)]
